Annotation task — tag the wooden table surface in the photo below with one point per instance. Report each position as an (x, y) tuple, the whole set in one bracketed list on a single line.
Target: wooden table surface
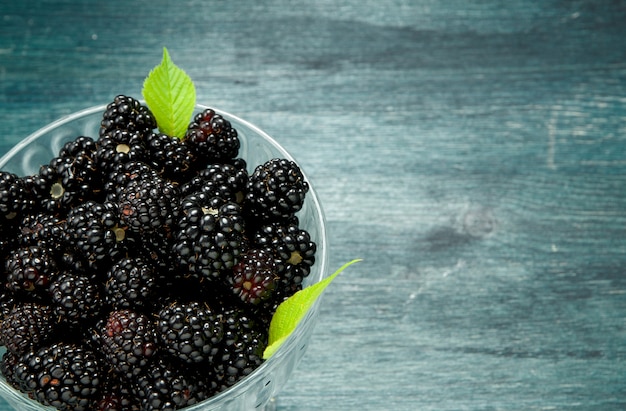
[(473, 153)]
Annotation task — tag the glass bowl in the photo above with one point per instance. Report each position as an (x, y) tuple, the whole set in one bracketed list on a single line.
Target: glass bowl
[(257, 391)]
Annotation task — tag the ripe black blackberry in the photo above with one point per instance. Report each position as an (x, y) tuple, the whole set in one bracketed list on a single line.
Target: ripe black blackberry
[(222, 180), (212, 137), (63, 375), (15, 199), (242, 348), (131, 283), (253, 278), (128, 341), (126, 113), (96, 232), (210, 236), (76, 299), (168, 385), (80, 146), (292, 247), (190, 331), (29, 271), (8, 364), (122, 173), (149, 206), (276, 190), (116, 394), (170, 157), (66, 182), (27, 326), (41, 229), (119, 146)]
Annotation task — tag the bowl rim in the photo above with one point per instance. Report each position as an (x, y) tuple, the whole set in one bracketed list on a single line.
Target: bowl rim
[(322, 241)]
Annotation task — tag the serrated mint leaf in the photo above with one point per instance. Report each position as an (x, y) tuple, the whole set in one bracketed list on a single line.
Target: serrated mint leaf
[(291, 311), (171, 96)]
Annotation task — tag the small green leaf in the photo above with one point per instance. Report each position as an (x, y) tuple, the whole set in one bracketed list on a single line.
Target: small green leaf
[(291, 311), (171, 96)]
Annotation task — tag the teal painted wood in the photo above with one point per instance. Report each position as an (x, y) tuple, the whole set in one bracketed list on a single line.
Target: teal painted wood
[(473, 153)]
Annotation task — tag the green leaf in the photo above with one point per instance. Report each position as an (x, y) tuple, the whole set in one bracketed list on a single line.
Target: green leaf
[(171, 96), (291, 311)]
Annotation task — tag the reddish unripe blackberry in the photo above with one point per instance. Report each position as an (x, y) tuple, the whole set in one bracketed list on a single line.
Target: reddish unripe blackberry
[(128, 340), (190, 331), (131, 283), (65, 376), (30, 270), (212, 137), (96, 232), (276, 190), (15, 199), (209, 238), (75, 298), (254, 277), (27, 326), (127, 113), (168, 385), (118, 147)]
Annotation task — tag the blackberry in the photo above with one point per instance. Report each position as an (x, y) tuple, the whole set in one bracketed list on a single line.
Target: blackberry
[(149, 206), (95, 230), (80, 146), (30, 270), (168, 385), (118, 147), (212, 137), (27, 326), (41, 229), (75, 298), (128, 340), (219, 180), (8, 364), (242, 349), (122, 173), (116, 395), (15, 199), (126, 113), (254, 278), (190, 331), (63, 375), (210, 238), (292, 247), (276, 189), (170, 157), (66, 182), (131, 283)]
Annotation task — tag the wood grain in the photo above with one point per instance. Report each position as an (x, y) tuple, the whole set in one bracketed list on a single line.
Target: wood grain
[(473, 153)]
